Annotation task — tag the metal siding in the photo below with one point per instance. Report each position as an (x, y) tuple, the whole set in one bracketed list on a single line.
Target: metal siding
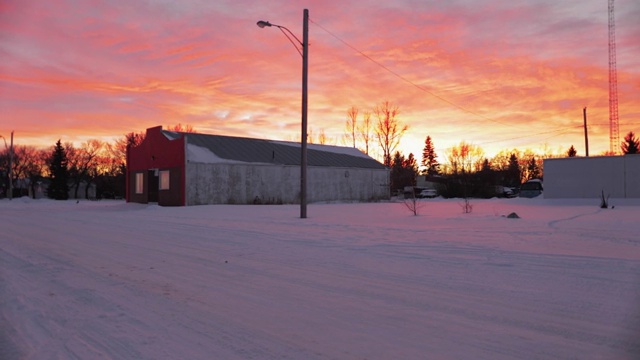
[(271, 152), (244, 183), (589, 177)]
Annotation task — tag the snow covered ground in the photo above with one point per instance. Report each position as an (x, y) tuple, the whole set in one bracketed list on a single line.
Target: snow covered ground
[(110, 280)]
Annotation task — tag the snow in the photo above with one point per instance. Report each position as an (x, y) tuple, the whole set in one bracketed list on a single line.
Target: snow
[(344, 150), (110, 280), (201, 154)]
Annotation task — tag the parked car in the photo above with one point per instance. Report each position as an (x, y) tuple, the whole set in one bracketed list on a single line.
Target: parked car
[(531, 188), (428, 193), (505, 191)]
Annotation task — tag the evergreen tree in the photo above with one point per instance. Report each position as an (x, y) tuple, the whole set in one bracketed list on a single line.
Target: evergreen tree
[(512, 177), (59, 188), (533, 170), (429, 162), (485, 181), (572, 152), (631, 144), (403, 171), (395, 174), (486, 165), (410, 165)]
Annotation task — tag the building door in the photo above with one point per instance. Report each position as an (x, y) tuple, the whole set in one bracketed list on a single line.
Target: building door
[(152, 188)]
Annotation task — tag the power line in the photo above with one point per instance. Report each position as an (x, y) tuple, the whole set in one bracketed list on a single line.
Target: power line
[(419, 87), (559, 131)]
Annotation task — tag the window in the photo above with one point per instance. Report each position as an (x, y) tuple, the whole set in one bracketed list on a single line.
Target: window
[(164, 180), (139, 183)]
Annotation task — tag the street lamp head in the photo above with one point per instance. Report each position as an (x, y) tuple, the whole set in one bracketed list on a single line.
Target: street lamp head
[(263, 23)]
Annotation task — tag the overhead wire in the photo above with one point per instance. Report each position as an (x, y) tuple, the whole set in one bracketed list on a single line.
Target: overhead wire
[(421, 88), (405, 79), (559, 131)]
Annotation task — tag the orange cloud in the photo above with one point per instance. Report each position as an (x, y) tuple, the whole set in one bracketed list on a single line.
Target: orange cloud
[(491, 73)]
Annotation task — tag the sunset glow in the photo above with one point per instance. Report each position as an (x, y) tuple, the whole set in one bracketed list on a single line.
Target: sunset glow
[(497, 74)]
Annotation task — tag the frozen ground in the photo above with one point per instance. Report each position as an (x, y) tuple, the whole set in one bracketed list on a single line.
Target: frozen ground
[(109, 280)]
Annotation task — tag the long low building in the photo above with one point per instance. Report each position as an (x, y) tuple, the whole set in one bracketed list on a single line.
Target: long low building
[(590, 177), (178, 169)]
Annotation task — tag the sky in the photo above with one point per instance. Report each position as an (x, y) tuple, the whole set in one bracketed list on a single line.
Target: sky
[(496, 74)]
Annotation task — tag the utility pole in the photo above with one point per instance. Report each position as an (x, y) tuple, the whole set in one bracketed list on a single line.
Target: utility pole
[(586, 136), (11, 168), (303, 140), (305, 75)]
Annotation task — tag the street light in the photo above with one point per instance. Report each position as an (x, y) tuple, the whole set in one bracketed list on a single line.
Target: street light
[(305, 65)]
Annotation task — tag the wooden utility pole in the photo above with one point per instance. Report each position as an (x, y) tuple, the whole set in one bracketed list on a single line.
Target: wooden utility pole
[(586, 136), (11, 168)]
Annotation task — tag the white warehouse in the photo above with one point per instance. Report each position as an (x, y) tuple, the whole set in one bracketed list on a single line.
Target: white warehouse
[(178, 169), (588, 177)]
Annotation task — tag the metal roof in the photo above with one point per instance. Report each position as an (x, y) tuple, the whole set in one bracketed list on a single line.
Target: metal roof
[(277, 152)]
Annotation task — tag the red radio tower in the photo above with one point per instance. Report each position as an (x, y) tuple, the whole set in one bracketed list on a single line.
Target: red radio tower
[(614, 131)]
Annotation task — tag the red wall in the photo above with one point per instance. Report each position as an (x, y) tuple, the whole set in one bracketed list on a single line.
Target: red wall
[(158, 152)]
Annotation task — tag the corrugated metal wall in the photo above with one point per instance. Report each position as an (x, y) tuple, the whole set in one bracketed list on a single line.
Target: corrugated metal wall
[(588, 177), (247, 183)]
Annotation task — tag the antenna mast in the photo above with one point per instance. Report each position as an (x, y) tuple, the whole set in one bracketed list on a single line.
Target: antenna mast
[(614, 131)]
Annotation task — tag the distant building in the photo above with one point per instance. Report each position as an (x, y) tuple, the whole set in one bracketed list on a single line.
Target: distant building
[(589, 177), (178, 169), (429, 181)]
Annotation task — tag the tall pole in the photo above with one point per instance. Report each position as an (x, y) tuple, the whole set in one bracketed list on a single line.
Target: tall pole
[(303, 139), (305, 70), (11, 168), (586, 136), (614, 126)]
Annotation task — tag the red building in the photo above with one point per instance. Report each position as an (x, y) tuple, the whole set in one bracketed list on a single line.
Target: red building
[(156, 170), (179, 169)]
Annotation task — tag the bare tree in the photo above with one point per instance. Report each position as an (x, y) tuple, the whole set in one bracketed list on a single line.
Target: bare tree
[(119, 148), (351, 125), (466, 206), (388, 129), (502, 160), (364, 131), (182, 128), (322, 137), (413, 204), (465, 158), (310, 136), (93, 151), (83, 164), (28, 165)]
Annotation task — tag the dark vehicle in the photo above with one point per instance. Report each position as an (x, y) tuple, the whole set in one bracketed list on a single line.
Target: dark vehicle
[(531, 188), (505, 192)]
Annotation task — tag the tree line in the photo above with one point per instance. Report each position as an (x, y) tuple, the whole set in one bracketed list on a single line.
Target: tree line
[(99, 165), (67, 171), (467, 172)]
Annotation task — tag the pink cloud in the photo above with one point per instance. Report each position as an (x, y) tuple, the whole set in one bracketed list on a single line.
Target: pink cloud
[(109, 67)]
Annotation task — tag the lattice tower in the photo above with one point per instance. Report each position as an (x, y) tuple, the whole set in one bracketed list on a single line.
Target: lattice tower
[(614, 129)]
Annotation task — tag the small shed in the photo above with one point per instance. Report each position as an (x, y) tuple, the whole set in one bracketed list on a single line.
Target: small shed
[(181, 169)]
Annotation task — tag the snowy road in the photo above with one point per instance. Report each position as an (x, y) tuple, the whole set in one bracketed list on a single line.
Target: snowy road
[(108, 280)]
